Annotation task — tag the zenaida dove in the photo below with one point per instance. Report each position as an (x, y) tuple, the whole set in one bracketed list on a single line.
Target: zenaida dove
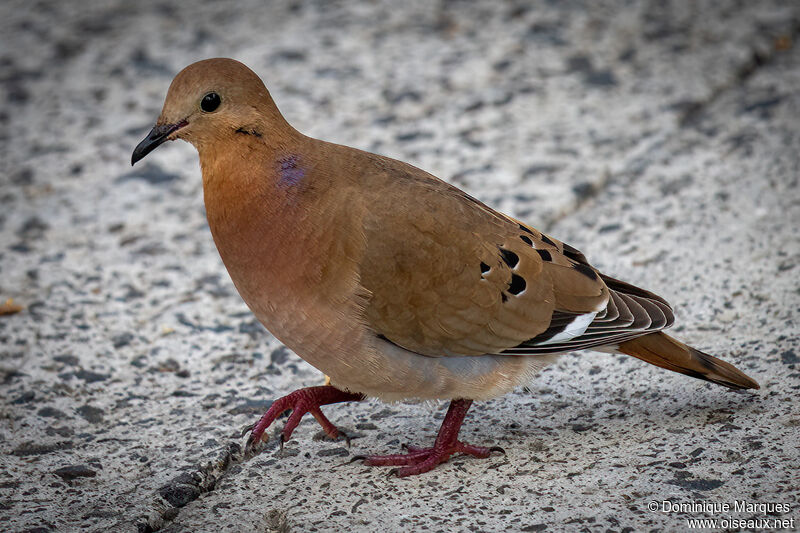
[(392, 282)]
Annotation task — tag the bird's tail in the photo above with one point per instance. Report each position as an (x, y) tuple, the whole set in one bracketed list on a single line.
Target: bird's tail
[(662, 350)]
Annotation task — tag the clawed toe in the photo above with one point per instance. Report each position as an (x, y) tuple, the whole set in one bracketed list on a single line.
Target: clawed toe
[(299, 402), (350, 461), (497, 449), (419, 460)]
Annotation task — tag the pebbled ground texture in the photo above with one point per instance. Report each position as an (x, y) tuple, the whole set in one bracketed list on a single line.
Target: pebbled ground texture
[(660, 138)]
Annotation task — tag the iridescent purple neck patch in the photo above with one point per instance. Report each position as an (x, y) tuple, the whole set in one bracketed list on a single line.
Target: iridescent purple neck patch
[(290, 171)]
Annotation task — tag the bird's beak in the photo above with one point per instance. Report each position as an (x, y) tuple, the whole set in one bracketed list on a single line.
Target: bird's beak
[(157, 135)]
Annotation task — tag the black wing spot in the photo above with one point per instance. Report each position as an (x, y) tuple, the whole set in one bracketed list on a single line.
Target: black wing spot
[(503, 297), (485, 268), (546, 240), (574, 254), (585, 270), (523, 228), (509, 257), (545, 255), (526, 240), (517, 284)]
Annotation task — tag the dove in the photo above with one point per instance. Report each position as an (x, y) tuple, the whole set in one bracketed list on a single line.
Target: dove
[(393, 283)]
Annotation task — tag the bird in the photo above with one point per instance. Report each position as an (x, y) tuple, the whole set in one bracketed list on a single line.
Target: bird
[(392, 282)]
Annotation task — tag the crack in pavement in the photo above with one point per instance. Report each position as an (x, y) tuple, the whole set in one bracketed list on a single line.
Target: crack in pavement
[(187, 486)]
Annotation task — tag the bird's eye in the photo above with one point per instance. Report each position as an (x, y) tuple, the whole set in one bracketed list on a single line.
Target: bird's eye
[(210, 102)]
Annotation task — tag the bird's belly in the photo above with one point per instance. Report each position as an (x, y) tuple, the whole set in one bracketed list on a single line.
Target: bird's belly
[(392, 373), (358, 361)]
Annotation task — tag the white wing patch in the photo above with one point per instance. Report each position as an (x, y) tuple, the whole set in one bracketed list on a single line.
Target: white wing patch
[(574, 329)]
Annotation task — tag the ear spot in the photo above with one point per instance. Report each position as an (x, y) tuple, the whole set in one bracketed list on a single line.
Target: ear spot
[(254, 132), (509, 257), (517, 284), (544, 254)]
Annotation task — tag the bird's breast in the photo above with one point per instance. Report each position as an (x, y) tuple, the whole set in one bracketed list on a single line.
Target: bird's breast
[(296, 267)]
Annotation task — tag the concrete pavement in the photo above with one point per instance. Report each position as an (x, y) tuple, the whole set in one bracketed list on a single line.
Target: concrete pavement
[(661, 139)]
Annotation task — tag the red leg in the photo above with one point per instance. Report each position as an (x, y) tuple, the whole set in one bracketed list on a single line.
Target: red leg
[(300, 402), (420, 460)]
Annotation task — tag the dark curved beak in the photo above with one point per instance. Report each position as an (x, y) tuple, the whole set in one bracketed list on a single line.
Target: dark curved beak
[(157, 135)]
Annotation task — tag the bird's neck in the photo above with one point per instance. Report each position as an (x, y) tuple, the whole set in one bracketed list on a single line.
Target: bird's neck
[(248, 210)]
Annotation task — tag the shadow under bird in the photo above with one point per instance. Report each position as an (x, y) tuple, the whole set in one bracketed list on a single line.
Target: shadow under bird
[(392, 282)]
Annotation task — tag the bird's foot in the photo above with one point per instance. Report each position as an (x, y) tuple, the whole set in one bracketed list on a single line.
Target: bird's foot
[(421, 460), (300, 402)]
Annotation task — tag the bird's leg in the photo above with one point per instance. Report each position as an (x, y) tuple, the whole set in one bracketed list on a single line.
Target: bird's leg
[(300, 402), (420, 460)]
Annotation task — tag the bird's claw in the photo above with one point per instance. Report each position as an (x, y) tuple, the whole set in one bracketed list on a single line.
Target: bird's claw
[(247, 429), (351, 461), (497, 449)]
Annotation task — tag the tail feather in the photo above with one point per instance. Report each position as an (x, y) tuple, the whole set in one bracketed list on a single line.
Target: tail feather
[(662, 350)]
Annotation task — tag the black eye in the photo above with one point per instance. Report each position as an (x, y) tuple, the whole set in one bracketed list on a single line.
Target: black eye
[(210, 102)]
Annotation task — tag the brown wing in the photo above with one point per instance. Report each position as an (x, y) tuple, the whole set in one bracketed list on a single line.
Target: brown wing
[(449, 276)]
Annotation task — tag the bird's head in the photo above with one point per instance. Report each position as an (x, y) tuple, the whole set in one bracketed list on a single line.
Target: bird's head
[(209, 100)]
